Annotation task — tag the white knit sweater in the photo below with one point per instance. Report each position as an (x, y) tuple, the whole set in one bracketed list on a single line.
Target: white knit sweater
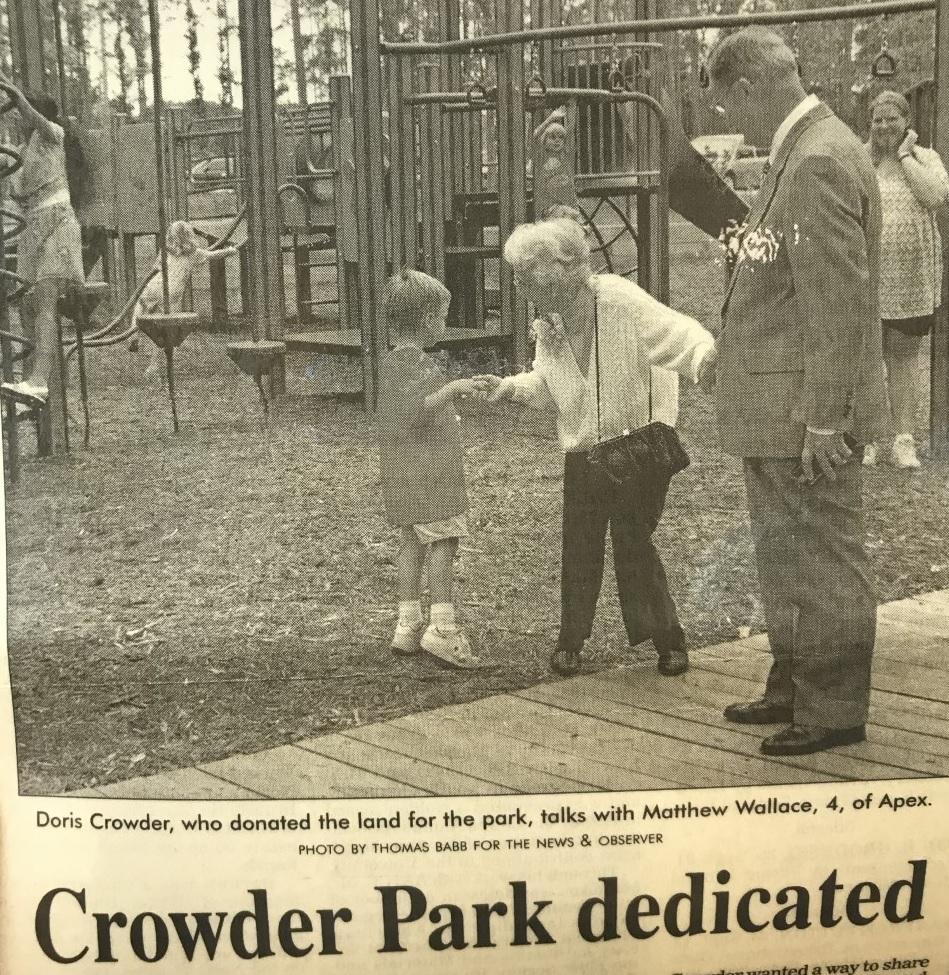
[(640, 341)]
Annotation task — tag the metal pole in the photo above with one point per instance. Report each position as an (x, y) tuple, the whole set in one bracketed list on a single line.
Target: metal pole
[(27, 43), (299, 64), (370, 193), (662, 25), (158, 108), (60, 59), (939, 355)]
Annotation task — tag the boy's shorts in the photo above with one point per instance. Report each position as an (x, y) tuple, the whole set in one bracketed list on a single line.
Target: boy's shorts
[(439, 531)]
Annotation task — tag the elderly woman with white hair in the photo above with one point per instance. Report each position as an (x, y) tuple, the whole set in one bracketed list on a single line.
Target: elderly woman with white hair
[(603, 354)]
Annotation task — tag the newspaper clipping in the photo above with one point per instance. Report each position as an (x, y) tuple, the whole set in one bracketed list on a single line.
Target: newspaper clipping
[(475, 488)]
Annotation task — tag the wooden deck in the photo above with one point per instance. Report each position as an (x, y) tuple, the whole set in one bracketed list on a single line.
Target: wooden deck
[(348, 341), (623, 729)]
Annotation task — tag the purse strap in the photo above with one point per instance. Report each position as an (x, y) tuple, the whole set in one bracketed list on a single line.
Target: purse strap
[(596, 346)]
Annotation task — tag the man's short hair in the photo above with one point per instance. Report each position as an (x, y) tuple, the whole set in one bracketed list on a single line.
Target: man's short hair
[(752, 53), (411, 296)]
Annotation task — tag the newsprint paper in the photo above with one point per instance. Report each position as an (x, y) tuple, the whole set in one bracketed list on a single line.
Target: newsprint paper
[(212, 760)]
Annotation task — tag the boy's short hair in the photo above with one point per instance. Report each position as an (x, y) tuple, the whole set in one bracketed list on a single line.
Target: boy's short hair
[(411, 296)]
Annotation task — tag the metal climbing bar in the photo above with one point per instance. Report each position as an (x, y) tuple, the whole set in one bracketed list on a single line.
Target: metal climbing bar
[(660, 25)]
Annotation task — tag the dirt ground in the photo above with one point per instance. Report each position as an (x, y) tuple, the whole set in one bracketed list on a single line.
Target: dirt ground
[(176, 599)]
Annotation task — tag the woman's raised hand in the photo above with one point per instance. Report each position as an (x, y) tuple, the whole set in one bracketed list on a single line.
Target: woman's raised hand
[(906, 146)]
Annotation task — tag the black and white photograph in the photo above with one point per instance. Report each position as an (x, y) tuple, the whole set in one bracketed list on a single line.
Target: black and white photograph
[(472, 399), (336, 341)]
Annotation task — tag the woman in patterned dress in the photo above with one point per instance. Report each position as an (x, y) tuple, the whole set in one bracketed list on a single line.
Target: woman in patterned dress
[(49, 250), (913, 185)]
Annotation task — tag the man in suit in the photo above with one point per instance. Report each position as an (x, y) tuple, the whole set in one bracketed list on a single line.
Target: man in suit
[(799, 389)]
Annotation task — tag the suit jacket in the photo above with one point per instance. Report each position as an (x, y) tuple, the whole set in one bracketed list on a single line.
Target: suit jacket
[(801, 339)]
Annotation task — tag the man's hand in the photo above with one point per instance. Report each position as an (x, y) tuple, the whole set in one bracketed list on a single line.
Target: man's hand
[(906, 146), (707, 370), (822, 453)]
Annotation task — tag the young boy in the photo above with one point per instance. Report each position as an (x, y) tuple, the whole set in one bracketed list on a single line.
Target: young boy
[(422, 466)]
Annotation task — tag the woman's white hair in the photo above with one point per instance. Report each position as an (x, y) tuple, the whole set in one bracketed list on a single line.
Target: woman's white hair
[(557, 241)]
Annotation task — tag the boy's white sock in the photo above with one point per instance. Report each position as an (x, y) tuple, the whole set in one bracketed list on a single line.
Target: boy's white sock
[(410, 613), (443, 617)]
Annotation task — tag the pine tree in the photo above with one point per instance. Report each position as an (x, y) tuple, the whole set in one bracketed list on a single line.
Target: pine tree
[(225, 75), (194, 55)]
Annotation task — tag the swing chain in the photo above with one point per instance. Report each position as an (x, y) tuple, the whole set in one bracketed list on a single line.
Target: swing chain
[(884, 64), (796, 49), (616, 80), (536, 88)]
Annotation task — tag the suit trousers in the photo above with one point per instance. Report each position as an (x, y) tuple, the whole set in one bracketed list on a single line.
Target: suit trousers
[(819, 604), (591, 503)]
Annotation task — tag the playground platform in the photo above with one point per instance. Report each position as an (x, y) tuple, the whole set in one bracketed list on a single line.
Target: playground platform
[(621, 729)]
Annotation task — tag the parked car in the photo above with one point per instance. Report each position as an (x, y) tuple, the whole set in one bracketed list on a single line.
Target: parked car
[(213, 170), (746, 169)]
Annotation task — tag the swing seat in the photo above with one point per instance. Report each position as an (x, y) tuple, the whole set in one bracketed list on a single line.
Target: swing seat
[(256, 359), (168, 331)]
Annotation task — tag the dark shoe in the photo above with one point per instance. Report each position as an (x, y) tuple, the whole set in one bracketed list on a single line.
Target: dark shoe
[(566, 662), (758, 712), (799, 739), (672, 662)]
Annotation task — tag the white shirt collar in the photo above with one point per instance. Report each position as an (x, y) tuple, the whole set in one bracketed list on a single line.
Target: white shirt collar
[(798, 112)]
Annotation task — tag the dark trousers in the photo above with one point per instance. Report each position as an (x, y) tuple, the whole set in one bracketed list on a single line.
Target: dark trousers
[(591, 502), (819, 604)]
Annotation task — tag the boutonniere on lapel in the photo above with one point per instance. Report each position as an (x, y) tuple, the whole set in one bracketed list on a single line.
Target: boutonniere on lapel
[(731, 239), (759, 246)]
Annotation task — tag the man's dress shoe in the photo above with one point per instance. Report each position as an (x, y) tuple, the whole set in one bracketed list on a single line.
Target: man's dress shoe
[(799, 739), (673, 662), (759, 712)]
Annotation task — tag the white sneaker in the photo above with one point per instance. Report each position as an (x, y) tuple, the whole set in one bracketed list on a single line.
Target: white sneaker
[(904, 452), (27, 389), (870, 455), (451, 648), (407, 636)]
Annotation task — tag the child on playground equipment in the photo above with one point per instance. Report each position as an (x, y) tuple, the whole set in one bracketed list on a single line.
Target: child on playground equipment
[(422, 466), (184, 256), (49, 249)]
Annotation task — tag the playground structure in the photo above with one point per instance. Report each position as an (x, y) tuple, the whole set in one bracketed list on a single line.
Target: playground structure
[(425, 158)]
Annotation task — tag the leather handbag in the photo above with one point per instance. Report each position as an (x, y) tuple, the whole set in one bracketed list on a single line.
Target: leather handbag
[(653, 453)]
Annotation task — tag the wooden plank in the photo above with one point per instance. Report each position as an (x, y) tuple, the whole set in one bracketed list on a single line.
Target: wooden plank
[(908, 731), (729, 746), (441, 738), (188, 783), (545, 762), (86, 794), (289, 772), (924, 646), (566, 764), (347, 341), (915, 685), (403, 766), (632, 687), (884, 708), (586, 730)]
